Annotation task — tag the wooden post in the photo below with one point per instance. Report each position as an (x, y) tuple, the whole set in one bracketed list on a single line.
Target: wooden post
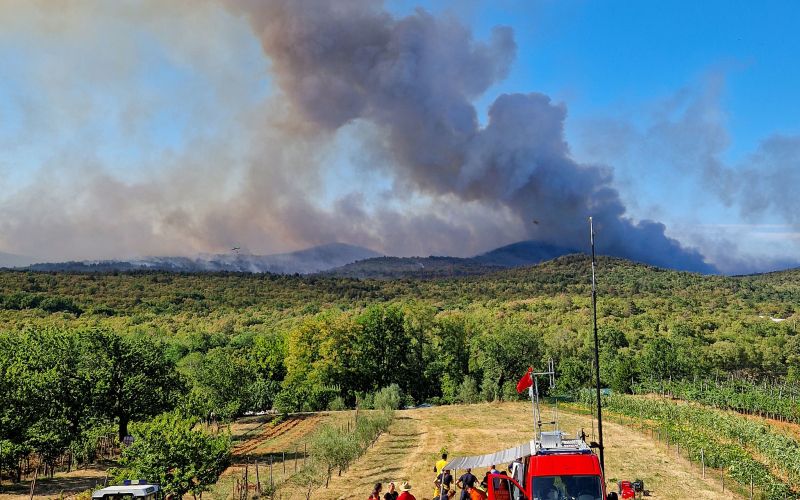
[(723, 480), (305, 452), (703, 461), (271, 481), (258, 481), (283, 459), (751, 486), (247, 479), (295, 459)]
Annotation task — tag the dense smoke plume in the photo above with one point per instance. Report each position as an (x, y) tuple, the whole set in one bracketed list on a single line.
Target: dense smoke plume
[(415, 78), (260, 169)]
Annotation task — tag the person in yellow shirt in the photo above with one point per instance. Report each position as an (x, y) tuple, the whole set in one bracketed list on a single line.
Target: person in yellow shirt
[(438, 468)]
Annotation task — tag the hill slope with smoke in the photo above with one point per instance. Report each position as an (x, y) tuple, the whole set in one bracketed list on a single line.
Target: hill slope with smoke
[(310, 260)]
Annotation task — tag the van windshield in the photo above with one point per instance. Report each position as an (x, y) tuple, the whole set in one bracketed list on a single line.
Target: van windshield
[(567, 488)]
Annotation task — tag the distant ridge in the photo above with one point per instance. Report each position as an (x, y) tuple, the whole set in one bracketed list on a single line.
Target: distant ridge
[(310, 260), (335, 259), (412, 267), (524, 253)]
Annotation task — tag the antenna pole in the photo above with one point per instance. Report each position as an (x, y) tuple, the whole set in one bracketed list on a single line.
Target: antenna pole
[(597, 354), (538, 412)]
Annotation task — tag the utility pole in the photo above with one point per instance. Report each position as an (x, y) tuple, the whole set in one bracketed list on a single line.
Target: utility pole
[(597, 354)]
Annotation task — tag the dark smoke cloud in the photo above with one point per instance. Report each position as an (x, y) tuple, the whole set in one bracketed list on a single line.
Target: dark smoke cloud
[(416, 78)]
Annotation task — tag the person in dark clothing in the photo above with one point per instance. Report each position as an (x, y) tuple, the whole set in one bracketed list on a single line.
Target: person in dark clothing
[(466, 481), (391, 494), (444, 483)]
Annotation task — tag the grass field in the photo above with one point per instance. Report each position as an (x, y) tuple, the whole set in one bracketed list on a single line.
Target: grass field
[(408, 451)]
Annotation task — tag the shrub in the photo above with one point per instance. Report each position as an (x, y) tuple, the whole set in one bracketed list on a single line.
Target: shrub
[(468, 391), (337, 404), (365, 401), (510, 392), (389, 398)]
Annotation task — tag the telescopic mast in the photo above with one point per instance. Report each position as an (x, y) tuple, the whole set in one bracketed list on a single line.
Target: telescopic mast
[(596, 353)]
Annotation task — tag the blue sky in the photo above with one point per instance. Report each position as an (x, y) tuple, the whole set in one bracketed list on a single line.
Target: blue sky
[(139, 95)]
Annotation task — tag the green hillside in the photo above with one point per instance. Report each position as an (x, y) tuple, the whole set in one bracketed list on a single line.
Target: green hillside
[(412, 267), (226, 344)]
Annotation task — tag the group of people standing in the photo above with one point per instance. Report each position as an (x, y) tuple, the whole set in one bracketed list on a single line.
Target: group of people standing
[(444, 487), (392, 493), (467, 482)]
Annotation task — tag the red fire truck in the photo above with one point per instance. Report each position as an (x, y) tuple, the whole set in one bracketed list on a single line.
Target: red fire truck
[(549, 467)]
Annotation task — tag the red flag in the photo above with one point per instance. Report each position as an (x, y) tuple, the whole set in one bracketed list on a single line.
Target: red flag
[(526, 381)]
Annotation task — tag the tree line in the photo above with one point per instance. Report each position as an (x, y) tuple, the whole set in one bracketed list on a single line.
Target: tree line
[(63, 386)]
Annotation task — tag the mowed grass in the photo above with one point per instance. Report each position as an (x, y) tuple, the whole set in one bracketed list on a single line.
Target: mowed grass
[(408, 451)]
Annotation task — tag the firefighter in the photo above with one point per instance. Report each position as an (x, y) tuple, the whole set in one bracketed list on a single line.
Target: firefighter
[(465, 482), (444, 486), (438, 468)]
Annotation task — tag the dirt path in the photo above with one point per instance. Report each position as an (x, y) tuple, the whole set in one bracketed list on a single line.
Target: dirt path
[(411, 447)]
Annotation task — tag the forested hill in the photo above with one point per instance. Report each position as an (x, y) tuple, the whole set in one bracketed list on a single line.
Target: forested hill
[(250, 342), (124, 293), (412, 267)]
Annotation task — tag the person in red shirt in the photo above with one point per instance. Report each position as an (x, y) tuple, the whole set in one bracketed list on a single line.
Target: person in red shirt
[(405, 490), (376, 492)]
